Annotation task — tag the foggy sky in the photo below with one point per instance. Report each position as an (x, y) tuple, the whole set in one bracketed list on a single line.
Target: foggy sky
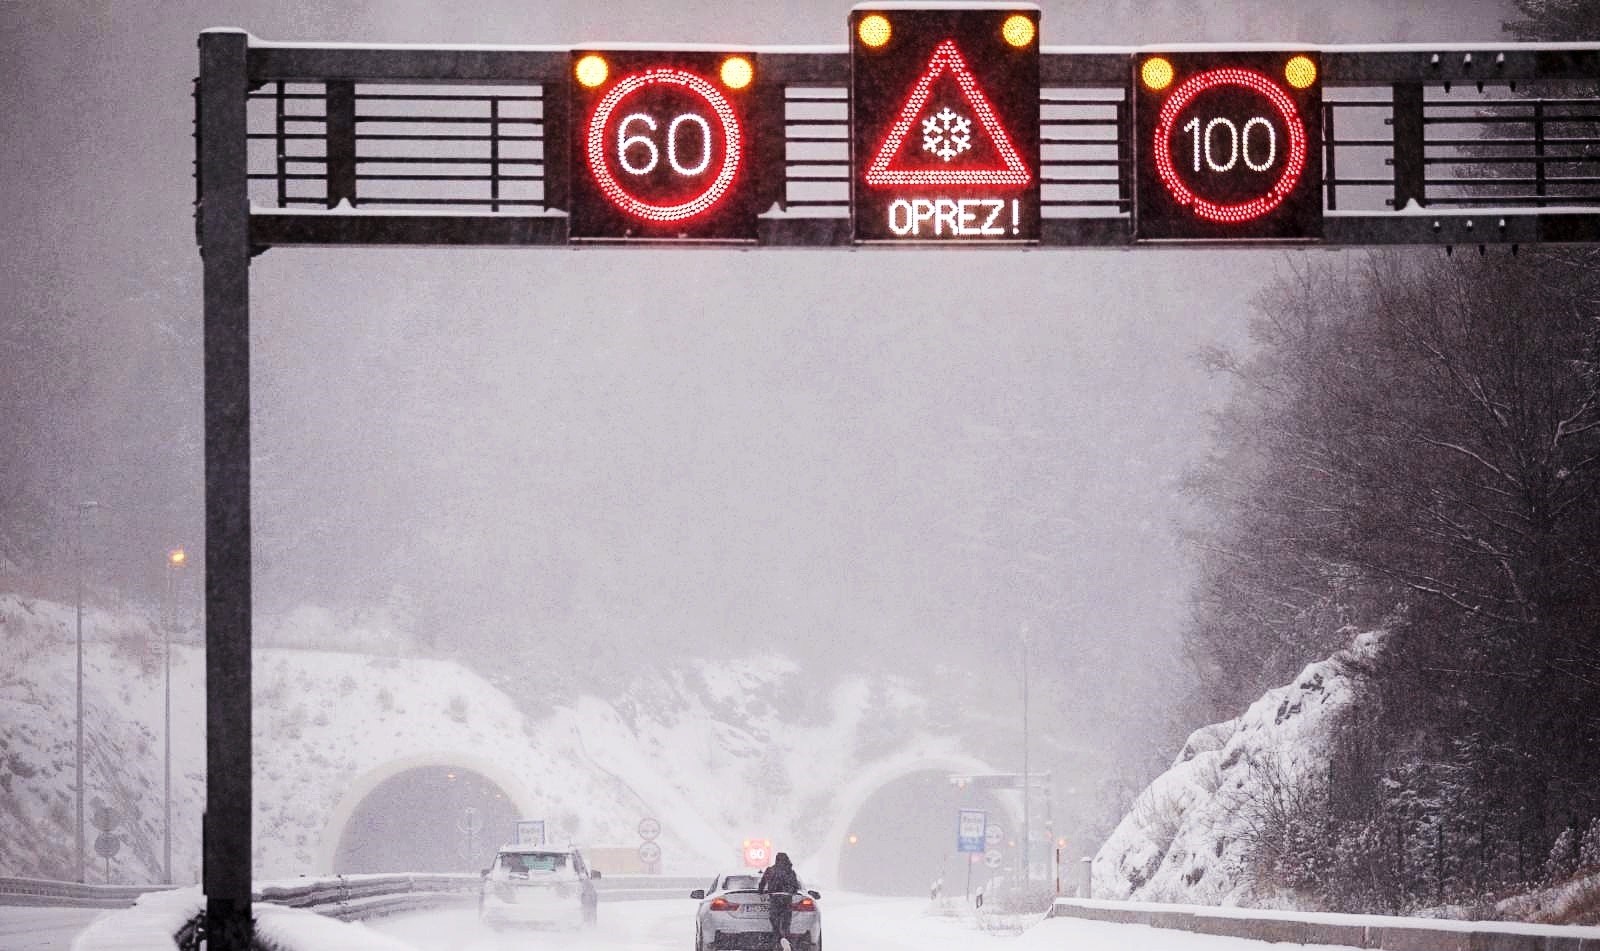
[(872, 459)]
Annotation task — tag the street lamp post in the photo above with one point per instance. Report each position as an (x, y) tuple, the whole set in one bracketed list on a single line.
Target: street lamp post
[(83, 507), (175, 561), (1027, 790)]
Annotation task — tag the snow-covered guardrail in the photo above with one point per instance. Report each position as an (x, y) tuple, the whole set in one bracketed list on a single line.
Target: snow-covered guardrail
[(1354, 931), (346, 897), (646, 887), (41, 891), (354, 897)]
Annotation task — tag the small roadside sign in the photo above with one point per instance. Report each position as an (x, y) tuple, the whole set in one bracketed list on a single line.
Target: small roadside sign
[(992, 858), (649, 829), (530, 832), (103, 818), (106, 844), (471, 821), (970, 827), (757, 853), (649, 853), (994, 834)]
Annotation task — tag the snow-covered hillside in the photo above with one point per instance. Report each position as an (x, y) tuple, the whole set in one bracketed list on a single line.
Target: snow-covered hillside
[(707, 748), (122, 717), (1189, 836)]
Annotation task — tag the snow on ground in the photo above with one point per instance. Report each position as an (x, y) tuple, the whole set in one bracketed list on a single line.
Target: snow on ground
[(148, 926), (850, 923), (1179, 842), (43, 929)]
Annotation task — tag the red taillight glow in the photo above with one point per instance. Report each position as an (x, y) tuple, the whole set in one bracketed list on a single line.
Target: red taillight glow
[(803, 904), (1292, 169), (722, 904)]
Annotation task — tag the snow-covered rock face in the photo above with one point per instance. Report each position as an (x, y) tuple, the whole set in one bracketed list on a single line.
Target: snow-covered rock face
[(1188, 837), (707, 748)]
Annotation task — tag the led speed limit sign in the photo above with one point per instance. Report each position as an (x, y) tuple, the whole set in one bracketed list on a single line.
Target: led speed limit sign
[(662, 145), (1229, 145)]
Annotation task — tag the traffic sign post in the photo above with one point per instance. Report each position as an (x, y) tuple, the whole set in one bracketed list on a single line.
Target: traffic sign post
[(663, 145), (649, 829), (1229, 145), (944, 126), (970, 830), (649, 854), (106, 845)]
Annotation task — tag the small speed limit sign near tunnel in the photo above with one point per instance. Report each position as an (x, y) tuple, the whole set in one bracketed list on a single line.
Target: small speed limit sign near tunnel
[(1229, 145), (662, 145)]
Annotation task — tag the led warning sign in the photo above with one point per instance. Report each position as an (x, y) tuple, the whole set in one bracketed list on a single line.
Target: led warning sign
[(945, 124), (1229, 146), (662, 145)]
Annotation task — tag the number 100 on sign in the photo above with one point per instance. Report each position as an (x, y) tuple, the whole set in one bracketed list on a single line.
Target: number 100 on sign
[(1229, 145)]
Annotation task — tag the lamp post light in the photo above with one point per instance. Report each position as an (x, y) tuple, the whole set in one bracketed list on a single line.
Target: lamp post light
[(83, 507), (175, 562)]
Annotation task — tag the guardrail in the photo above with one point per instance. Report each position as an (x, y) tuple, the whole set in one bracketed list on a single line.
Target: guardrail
[(647, 887), (355, 897), (42, 891), (1354, 931), (346, 897)]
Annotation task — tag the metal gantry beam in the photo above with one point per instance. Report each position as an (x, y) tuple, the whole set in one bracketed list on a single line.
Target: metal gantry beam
[(472, 146), (330, 185)]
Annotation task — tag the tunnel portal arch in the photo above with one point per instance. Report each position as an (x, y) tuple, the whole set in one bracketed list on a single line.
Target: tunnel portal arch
[(471, 770), (826, 862)]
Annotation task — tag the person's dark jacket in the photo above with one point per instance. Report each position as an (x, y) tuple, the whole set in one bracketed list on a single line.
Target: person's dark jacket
[(779, 877)]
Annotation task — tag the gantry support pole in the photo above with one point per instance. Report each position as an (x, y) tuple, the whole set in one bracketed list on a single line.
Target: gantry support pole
[(224, 229)]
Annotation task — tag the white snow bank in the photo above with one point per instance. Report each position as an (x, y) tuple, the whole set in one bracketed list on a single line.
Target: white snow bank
[(301, 929), (1054, 934), (148, 926), (1183, 839), (1588, 932)]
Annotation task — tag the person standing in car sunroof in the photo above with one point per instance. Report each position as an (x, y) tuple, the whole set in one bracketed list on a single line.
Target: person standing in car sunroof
[(779, 883)]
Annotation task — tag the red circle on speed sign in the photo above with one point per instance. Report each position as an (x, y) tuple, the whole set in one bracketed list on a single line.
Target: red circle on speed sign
[(757, 852), (664, 145), (1296, 151)]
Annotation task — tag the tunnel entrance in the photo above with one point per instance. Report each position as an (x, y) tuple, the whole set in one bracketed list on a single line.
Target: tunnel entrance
[(903, 837), (417, 821)]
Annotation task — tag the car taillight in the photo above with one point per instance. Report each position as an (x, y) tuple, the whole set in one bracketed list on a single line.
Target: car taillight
[(722, 904), (803, 903)]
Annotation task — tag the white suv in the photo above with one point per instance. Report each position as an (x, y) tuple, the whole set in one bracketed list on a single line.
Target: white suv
[(537, 885)]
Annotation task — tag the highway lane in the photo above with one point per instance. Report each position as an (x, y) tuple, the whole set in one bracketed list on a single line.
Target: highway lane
[(27, 928), (850, 923)]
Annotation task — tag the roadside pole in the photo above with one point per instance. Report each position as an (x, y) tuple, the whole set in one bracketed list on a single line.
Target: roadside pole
[(224, 220)]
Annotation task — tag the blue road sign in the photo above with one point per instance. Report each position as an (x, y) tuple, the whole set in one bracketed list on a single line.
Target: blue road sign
[(970, 828)]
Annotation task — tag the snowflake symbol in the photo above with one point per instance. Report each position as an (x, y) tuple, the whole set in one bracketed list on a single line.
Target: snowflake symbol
[(946, 133)]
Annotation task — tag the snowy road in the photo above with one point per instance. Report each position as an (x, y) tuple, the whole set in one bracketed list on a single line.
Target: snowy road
[(850, 923), (42, 929)]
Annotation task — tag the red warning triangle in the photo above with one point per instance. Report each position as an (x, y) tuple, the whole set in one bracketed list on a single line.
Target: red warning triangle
[(1010, 171)]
